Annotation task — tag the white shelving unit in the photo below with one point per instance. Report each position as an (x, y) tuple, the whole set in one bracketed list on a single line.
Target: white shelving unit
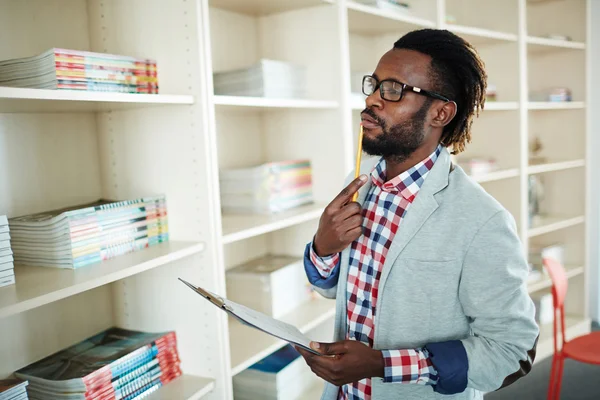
[(62, 148)]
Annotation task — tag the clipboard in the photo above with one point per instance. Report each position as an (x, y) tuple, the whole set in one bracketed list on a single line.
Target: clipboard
[(255, 319)]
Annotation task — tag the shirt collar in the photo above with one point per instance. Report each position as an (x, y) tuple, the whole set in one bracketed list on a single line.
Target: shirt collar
[(410, 181)]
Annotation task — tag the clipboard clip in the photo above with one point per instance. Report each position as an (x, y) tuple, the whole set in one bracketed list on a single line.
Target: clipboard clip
[(216, 300)]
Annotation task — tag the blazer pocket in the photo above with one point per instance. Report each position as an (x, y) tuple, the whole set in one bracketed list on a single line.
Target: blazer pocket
[(437, 279)]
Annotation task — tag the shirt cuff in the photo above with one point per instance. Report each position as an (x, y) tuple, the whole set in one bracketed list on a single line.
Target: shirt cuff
[(323, 264), (409, 366), (314, 274), (450, 360)]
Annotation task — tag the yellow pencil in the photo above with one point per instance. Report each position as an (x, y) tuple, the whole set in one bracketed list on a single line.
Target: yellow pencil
[(358, 155)]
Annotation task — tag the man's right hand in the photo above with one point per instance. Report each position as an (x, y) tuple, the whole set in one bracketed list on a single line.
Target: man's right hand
[(341, 222)]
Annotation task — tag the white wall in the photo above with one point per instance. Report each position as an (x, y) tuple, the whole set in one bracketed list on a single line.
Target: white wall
[(594, 166)]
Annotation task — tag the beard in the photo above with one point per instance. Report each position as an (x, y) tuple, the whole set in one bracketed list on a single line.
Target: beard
[(397, 142)]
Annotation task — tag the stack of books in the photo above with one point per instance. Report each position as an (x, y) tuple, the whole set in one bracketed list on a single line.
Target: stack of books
[(282, 375), (267, 188), (268, 78), (114, 364), (81, 70), (13, 389), (7, 272), (88, 234)]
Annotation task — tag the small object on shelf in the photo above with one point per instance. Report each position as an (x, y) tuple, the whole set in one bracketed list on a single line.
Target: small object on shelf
[(267, 78), (557, 94), (267, 188), (392, 5), (7, 273), (535, 195), (13, 389), (557, 36), (535, 148), (491, 93), (478, 166), (534, 275), (87, 234), (544, 309), (115, 363), (273, 284), (450, 19), (81, 70), (281, 375)]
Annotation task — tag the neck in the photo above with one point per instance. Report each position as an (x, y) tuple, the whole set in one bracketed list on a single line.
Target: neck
[(395, 167)]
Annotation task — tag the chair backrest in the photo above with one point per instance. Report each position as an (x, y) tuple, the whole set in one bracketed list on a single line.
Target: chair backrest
[(560, 284)]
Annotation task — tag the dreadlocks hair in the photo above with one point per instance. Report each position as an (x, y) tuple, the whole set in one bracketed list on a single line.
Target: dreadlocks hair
[(458, 73)]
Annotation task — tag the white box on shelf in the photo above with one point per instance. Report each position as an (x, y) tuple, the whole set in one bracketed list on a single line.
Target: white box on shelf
[(281, 375), (273, 284), (544, 307)]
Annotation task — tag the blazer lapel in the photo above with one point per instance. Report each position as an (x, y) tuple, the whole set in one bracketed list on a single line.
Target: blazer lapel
[(419, 211)]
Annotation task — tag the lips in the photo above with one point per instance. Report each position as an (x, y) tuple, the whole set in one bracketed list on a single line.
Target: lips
[(369, 122)]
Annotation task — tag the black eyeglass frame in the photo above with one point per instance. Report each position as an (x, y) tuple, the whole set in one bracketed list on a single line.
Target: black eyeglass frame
[(404, 86)]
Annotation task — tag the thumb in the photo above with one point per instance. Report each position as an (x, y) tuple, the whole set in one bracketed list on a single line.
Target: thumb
[(329, 349)]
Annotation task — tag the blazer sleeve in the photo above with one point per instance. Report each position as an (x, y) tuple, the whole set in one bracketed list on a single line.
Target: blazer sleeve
[(493, 293)]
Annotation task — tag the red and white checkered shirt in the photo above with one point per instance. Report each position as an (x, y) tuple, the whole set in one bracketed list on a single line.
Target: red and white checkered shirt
[(384, 208)]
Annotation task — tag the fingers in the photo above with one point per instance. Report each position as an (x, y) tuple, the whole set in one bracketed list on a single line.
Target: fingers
[(331, 349), (346, 194), (348, 211)]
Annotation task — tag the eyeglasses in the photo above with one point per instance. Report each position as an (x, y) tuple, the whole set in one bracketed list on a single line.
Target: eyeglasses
[(392, 90)]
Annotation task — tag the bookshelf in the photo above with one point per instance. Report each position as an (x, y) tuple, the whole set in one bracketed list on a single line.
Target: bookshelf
[(63, 148)]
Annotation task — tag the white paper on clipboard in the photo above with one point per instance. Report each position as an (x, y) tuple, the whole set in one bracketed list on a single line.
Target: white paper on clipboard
[(255, 319)]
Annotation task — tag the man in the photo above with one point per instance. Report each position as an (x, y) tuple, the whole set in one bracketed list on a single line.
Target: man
[(426, 267)]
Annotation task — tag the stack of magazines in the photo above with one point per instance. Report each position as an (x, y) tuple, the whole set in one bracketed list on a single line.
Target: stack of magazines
[(7, 273), (81, 70), (268, 78), (13, 389), (88, 234), (114, 364), (267, 188)]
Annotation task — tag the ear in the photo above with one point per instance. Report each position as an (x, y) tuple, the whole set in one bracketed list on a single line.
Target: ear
[(444, 113)]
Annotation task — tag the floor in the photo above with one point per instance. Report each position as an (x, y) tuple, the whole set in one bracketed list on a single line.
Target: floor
[(580, 382)]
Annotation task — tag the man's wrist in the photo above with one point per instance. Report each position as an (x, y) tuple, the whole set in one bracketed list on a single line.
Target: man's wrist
[(378, 364)]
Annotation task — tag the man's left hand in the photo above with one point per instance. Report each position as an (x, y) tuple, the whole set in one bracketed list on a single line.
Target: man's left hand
[(344, 362)]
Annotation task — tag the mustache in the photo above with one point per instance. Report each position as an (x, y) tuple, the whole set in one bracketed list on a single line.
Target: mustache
[(372, 114)]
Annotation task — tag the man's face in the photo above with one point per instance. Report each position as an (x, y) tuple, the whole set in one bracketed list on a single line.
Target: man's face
[(397, 129)]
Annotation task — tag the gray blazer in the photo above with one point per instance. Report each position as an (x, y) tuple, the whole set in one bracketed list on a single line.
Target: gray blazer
[(454, 271)]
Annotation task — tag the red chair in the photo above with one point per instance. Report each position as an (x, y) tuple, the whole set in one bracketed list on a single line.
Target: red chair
[(585, 348)]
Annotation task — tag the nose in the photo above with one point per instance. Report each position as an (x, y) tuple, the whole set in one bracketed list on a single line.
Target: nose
[(374, 100)]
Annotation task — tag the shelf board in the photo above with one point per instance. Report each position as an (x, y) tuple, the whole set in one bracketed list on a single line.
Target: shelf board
[(555, 105), (542, 45), (555, 166), (545, 282), (500, 106), (243, 226), (37, 286), (266, 103), (479, 36), (186, 387), (249, 345), (550, 224), (45, 100), (575, 326), (372, 21), (497, 175), (265, 7)]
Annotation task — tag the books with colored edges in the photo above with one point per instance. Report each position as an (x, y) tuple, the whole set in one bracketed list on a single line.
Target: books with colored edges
[(267, 188), (77, 236), (114, 364), (81, 70), (13, 389), (7, 274), (281, 375)]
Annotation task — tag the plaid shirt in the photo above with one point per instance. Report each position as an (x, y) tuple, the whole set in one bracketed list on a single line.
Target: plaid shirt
[(383, 211)]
